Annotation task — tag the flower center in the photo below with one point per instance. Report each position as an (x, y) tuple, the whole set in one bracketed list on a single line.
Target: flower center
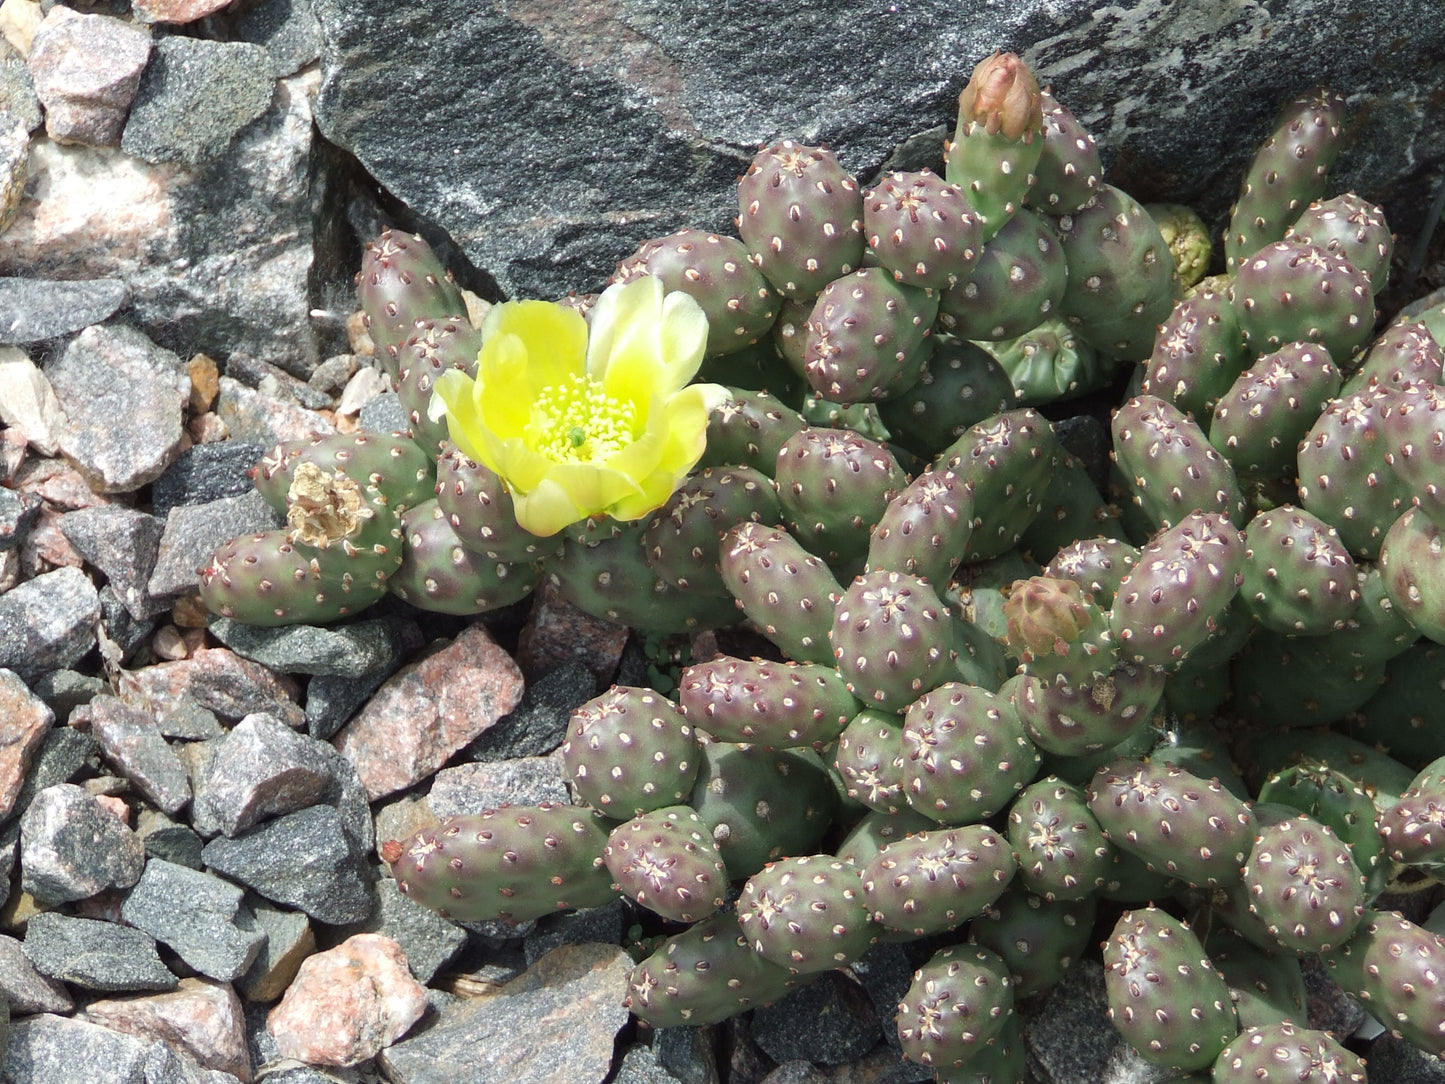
[(578, 422)]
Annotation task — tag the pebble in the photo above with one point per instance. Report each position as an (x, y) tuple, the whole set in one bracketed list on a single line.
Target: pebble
[(25, 720), (95, 955), (538, 724), (195, 915), (829, 1021), (206, 472), (472, 788), (558, 632), (195, 96), (49, 1049), (124, 399), (264, 769), (194, 531), (287, 29), (204, 1019), (86, 69), (305, 859), (558, 1020), (131, 741), (166, 839), (28, 402), (35, 310), (352, 650), (175, 11), (17, 89), (18, 514), (71, 848), (276, 381), (429, 710), (288, 939), (1070, 1038), (122, 543), (14, 169), (48, 623), (253, 415), (216, 679), (25, 989), (383, 414), (348, 1004)]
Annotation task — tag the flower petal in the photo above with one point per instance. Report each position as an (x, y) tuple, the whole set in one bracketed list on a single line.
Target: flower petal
[(453, 398), (646, 343), (554, 338)]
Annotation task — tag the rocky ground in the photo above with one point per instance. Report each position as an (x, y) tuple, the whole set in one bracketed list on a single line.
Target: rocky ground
[(190, 809)]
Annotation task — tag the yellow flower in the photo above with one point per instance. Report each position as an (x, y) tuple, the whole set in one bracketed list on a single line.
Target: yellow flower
[(581, 424)]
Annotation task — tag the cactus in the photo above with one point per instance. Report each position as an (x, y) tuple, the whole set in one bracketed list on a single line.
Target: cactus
[(1062, 851), (780, 705), (1069, 170), (1290, 291), (1169, 465), (869, 759), (997, 140), (1258, 423), (932, 881), (832, 485), (1165, 997), (806, 913), (892, 639), (1015, 285), (630, 751), (958, 1001), (919, 227), (960, 386), (401, 281), (1353, 229), (438, 573), (1298, 577), (1285, 1052), (681, 540), (1006, 461), (1303, 885), (515, 863), (1398, 969), (866, 336), (1038, 939), (924, 529), (666, 860), (1198, 352), (1050, 362)]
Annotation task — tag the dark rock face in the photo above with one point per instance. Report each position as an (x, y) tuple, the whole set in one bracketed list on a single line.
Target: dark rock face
[(548, 144)]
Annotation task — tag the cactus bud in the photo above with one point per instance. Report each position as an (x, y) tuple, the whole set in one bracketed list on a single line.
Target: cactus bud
[(1003, 96)]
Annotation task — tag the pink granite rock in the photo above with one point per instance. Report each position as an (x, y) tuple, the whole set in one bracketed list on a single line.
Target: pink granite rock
[(175, 11), (429, 710), (348, 1003), (24, 720), (86, 69), (201, 1017), (219, 679)]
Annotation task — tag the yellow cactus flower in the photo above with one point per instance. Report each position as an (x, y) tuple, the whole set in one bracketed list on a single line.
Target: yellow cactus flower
[(585, 424)]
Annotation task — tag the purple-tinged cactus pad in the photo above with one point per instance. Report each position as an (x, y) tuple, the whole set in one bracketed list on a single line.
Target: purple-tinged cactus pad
[(1303, 885), (630, 750), (957, 1003), (806, 913)]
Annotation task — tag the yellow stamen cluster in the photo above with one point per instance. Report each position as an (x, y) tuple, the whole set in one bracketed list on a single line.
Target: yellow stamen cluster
[(578, 422)]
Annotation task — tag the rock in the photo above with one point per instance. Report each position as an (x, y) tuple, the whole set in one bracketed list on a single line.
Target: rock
[(693, 88), (352, 650), (122, 543), (219, 258), (286, 28), (557, 633), (17, 89), (86, 69), (28, 402), (175, 11), (123, 399), (287, 940), (472, 788), (71, 848), (14, 168), (830, 1021), (605, 925), (305, 859), (63, 755), (203, 1019), (1402, 1062), (130, 740), (255, 415), (347, 1004), (25, 720), (195, 915), (51, 1049), (430, 710), (18, 515), (25, 989), (192, 533), (558, 1020), (427, 940), (95, 955), (1070, 1038), (204, 473), (383, 414), (34, 310), (167, 840), (48, 623), (219, 680), (263, 769), (194, 98), (538, 725)]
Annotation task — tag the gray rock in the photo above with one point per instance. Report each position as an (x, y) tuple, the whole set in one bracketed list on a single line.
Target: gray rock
[(206, 472), (306, 859), (472, 788), (264, 769), (639, 1065), (25, 989), (556, 1021), (693, 88), (48, 623), (222, 258), (94, 955), (287, 939), (86, 69), (122, 543), (828, 1022), (194, 97), (18, 513), (605, 925), (273, 380), (538, 725), (17, 89), (33, 310), (124, 398), (63, 754), (168, 840), (65, 690), (192, 533), (287, 29), (193, 913), (72, 848), (14, 166), (131, 741), (383, 414), (1402, 1062), (266, 415), (429, 941), (128, 632), (51, 1049), (352, 650), (1069, 1040)]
